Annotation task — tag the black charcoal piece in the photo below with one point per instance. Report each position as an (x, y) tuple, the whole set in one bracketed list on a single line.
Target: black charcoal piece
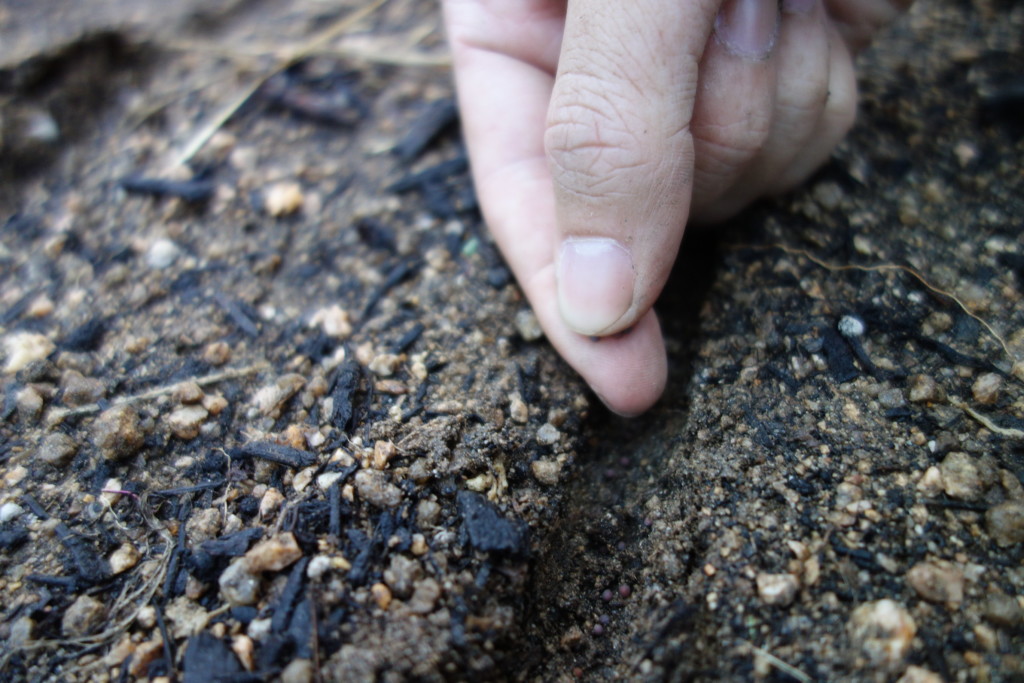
[(208, 658), (839, 356), (343, 394), (194, 191), (437, 116), (487, 529), (275, 452), (233, 545), (87, 336)]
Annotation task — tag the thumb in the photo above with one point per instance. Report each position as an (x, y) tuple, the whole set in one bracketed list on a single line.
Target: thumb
[(621, 153)]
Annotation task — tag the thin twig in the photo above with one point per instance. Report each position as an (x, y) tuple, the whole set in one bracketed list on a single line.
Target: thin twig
[(886, 268), (986, 422), (59, 414), (314, 45), (782, 666)]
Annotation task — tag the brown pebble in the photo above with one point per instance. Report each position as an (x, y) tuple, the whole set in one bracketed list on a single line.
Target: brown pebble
[(187, 392), (924, 389), (1005, 523), (1003, 610), (79, 390), (144, 655), (84, 614), (381, 595), (274, 553), (939, 582), (270, 503), (383, 451), (117, 433), (243, 648), (986, 388), (29, 403), (217, 353)]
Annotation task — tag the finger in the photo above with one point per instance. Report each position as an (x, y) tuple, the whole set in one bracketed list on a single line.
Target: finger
[(621, 154), (735, 104), (504, 126), (837, 117), (803, 63)]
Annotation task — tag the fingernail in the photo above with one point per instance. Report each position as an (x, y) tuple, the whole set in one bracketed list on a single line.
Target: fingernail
[(595, 283), (798, 6), (748, 28)]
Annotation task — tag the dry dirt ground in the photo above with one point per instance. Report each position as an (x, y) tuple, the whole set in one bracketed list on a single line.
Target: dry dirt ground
[(273, 408)]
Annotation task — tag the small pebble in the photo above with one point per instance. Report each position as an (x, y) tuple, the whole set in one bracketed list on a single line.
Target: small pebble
[(162, 254), (298, 671), (373, 486), (1003, 610), (625, 591), (851, 326), (385, 364), (79, 390), (777, 589), (24, 348), (185, 422), (883, 631), (10, 512), (383, 451), (607, 595), (381, 595), (243, 648), (548, 434), (29, 403), (528, 326), (283, 199), (84, 614), (917, 674), (924, 389), (334, 320), (1005, 523), (238, 584), (425, 596), (270, 503), (547, 472), (518, 410), (960, 476), (986, 388), (938, 582), (124, 558), (274, 553), (187, 393), (117, 433)]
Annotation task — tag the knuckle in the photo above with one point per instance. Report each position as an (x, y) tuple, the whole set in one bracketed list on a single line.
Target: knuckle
[(591, 139)]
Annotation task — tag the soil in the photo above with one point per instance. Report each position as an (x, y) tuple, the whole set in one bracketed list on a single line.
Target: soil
[(274, 408)]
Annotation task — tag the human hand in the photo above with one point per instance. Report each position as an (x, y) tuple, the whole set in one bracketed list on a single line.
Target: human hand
[(598, 128)]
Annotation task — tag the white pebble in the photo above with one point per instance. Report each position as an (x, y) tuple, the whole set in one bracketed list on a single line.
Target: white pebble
[(162, 254), (851, 326), (10, 512)]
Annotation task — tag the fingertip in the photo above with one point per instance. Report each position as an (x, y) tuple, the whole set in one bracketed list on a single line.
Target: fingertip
[(628, 371)]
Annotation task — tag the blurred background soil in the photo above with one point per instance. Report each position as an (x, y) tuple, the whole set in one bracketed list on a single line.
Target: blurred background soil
[(274, 409)]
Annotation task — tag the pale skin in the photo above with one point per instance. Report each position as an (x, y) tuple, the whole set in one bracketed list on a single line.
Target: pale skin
[(598, 129)]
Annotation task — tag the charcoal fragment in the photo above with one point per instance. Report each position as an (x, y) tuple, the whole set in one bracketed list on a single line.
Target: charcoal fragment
[(208, 658), (487, 529)]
